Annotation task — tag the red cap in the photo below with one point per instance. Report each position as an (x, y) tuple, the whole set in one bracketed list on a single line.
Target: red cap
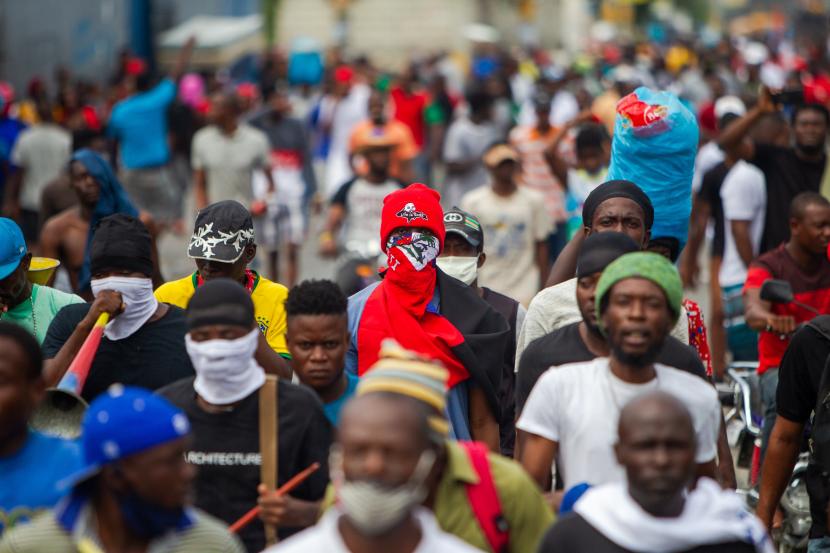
[(135, 66), (416, 206), (343, 74)]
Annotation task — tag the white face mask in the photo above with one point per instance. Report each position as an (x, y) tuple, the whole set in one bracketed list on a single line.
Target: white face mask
[(375, 509), (139, 304), (225, 369), (464, 269)]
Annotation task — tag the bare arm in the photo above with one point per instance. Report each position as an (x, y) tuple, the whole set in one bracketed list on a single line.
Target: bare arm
[(152, 228), (270, 360), (200, 189), (49, 241), (743, 242), (737, 130), (708, 469), (183, 59), (106, 302), (542, 261), (405, 171), (726, 467), (701, 211), (557, 164), (564, 268), (328, 243), (536, 456), (483, 425), (11, 202), (782, 453), (759, 317)]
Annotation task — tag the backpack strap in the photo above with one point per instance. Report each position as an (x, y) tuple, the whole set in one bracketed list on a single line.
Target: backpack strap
[(484, 499)]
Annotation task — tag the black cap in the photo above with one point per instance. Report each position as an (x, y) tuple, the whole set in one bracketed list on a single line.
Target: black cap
[(223, 230), (600, 249), (121, 242), (465, 225), (221, 301)]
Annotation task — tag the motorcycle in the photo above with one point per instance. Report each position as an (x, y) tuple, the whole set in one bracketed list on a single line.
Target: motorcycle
[(743, 428)]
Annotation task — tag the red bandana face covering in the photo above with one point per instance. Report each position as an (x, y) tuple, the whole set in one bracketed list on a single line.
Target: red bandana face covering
[(250, 280), (397, 308)]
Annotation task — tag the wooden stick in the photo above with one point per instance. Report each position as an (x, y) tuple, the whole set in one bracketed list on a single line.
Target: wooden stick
[(289, 486)]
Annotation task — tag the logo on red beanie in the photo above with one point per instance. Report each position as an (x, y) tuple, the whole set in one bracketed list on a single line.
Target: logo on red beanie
[(410, 213)]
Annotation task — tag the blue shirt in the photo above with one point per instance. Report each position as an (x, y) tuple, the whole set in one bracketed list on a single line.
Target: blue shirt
[(139, 123), (28, 479), (332, 408), (458, 404)]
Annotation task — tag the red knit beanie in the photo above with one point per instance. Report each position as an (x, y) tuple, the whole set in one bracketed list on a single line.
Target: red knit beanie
[(416, 206)]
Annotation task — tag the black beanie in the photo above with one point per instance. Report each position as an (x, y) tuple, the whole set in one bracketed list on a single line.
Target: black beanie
[(617, 189), (221, 301), (600, 249), (121, 242)]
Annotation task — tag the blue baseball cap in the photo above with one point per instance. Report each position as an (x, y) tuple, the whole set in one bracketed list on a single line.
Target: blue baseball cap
[(12, 247), (121, 422)]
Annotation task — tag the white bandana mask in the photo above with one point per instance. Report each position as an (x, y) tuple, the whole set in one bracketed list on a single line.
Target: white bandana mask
[(464, 269), (226, 371), (139, 304)]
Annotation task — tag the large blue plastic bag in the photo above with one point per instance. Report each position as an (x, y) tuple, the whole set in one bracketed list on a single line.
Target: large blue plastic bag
[(654, 146)]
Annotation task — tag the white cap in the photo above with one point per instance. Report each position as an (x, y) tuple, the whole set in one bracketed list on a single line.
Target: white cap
[(755, 53), (729, 104)]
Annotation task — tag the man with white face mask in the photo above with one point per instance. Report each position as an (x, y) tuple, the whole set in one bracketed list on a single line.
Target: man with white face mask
[(224, 413), (392, 457), (143, 344), (432, 314), (462, 257)]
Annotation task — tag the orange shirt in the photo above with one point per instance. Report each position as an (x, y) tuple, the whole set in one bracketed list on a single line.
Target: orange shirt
[(405, 148), (536, 173)]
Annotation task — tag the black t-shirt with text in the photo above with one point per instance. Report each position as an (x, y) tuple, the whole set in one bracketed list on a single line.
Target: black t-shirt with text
[(573, 534), (799, 377), (787, 175), (151, 358), (225, 449), (565, 345)]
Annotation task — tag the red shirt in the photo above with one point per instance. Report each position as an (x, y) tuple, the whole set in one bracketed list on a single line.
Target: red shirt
[(809, 289), (409, 110)]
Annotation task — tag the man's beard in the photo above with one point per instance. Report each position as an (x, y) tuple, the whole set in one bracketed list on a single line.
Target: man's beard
[(811, 149), (637, 360)]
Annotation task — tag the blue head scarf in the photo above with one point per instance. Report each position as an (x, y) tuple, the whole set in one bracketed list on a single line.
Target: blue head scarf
[(112, 199)]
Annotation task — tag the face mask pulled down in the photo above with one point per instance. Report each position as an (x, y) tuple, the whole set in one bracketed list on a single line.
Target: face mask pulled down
[(226, 371), (464, 269), (374, 508), (139, 304)]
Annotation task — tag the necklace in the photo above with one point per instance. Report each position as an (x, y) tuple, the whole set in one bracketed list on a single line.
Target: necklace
[(614, 395)]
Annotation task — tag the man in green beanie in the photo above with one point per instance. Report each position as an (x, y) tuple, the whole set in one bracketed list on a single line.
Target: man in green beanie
[(572, 412)]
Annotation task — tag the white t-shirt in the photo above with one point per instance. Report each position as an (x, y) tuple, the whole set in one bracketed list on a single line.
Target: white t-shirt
[(344, 115), (512, 226), (229, 161), (744, 198), (707, 157), (325, 537), (42, 151), (466, 140), (578, 406)]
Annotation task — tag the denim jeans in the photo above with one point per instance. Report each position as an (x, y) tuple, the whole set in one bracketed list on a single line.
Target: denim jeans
[(819, 545), (769, 387)]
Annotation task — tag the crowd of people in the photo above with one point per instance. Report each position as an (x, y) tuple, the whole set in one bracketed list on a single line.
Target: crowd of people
[(524, 373)]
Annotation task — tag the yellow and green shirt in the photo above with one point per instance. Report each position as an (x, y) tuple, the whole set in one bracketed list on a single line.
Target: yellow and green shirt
[(269, 305)]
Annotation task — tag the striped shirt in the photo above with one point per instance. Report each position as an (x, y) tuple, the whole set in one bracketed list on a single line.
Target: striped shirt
[(536, 173), (46, 534)]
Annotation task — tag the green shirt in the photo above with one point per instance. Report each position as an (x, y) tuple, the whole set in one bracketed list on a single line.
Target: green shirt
[(37, 312), (45, 534), (523, 506)]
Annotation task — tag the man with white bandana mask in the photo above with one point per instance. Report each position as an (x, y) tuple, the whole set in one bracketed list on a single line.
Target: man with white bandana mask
[(224, 414), (143, 344), (432, 314), (653, 510), (462, 257)]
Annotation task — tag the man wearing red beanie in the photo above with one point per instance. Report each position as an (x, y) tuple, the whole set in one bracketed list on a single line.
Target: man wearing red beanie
[(429, 312)]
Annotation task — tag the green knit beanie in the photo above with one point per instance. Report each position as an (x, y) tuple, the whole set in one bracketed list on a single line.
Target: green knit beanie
[(647, 265)]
